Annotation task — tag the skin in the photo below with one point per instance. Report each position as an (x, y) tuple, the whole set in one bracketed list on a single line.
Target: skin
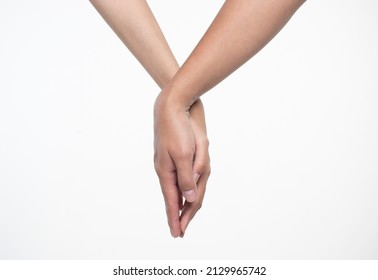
[(240, 30), (136, 26)]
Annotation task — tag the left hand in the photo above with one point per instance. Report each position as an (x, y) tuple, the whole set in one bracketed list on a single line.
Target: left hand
[(181, 160)]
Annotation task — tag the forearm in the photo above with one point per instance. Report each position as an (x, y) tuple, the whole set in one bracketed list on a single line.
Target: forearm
[(239, 31), (136, 26)]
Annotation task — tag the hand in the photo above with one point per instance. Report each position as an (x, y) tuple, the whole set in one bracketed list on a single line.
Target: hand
[(181, 159), (201, 164)]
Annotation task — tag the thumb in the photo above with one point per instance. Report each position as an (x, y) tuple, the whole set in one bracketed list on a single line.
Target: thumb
[(185, 179)]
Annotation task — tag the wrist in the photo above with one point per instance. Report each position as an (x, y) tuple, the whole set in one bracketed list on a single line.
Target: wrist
[(174, 98)]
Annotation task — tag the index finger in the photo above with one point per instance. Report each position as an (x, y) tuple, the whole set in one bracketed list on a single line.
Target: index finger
[(171, 193)]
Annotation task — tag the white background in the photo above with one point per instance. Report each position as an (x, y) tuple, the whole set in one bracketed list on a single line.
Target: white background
[(293, 134)]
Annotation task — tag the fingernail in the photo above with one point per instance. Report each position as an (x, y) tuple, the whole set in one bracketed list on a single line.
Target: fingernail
[(173, 233), (190, 195), (196, 177)]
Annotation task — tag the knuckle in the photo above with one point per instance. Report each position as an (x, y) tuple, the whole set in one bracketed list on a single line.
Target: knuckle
[(199, 205), (186, 184), (158, 169), (183, 153), (208, 171), (200, 167), (205, 142), (156, 160)]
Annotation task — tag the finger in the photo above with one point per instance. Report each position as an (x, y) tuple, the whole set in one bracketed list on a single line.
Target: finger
[(180, 199), (184, 166), (201, 159), (190, 209), (197, 122), (172, 207)]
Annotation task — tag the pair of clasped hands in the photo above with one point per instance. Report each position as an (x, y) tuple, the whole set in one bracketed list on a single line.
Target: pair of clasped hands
[(240, 30)]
